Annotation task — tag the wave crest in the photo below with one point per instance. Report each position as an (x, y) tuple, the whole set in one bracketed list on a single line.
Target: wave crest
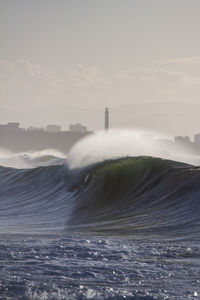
[(134, 196), (137, 195)]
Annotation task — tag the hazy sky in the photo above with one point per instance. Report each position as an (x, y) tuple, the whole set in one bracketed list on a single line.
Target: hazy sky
[(90, 53)]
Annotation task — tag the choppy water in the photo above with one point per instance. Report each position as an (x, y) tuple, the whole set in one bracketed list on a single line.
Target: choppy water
[(119, 229), (77, 267)]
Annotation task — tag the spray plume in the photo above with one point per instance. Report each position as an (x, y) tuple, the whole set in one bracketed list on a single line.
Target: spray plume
[(120, 143)]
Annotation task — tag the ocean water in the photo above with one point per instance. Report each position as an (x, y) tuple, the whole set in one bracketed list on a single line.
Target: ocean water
[(116, 227)]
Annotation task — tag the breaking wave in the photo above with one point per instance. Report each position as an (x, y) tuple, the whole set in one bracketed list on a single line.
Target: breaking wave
[(134, 196)]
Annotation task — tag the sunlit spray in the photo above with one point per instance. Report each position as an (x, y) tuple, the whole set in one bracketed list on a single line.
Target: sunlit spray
[(120, 143)]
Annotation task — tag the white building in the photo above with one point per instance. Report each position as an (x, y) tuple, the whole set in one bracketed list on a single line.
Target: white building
[(53, 128), (35, 128), (10, 127), (78, 128)]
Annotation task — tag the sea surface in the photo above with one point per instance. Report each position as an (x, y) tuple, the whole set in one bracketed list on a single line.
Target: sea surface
[(122, 228)]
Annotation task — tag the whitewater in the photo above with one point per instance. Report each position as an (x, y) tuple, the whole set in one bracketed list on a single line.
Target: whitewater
[(118, 218)]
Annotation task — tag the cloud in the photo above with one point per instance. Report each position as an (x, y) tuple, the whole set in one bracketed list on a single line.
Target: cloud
[(26, 85), (23, 84), (86, 77), (147, 85), (156, 75), (34, 71), (194, 60)]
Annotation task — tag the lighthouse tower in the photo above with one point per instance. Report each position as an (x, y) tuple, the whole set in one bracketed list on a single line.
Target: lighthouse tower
[(106, 119)]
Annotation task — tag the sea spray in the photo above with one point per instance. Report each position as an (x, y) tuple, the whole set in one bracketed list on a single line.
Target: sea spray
[(121, 143)]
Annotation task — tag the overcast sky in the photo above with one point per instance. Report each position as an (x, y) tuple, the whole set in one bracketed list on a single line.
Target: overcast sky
[(91, 54)]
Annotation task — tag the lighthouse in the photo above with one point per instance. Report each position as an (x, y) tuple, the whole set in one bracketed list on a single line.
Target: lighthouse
[(106, 119)]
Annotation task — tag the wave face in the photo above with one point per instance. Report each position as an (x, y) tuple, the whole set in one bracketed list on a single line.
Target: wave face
[(134, 196), (139, 196), (33, 200)]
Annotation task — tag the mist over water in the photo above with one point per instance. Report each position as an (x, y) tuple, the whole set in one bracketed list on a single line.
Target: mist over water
[(121, 143)]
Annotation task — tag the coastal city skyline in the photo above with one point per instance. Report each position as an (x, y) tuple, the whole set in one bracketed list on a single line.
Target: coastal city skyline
[(15, 138), (168, 119)]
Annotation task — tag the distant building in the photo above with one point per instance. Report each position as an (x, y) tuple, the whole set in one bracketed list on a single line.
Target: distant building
[(53, 128), (106, 119), (10, 127), (182, 140), (35, 128), (197, 140), (78, 128)]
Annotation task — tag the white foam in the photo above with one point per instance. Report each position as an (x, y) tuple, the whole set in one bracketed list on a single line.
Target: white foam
[(30, 159)]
